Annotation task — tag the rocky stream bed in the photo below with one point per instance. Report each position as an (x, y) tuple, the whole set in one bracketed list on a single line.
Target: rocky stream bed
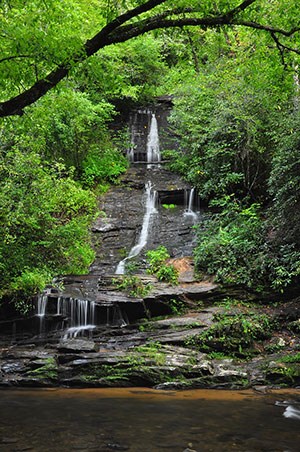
[(208, 339)]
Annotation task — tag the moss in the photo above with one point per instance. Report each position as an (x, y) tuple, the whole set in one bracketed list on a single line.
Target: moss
[(283, 373), (47, 371), (291, 358), (233, 334)]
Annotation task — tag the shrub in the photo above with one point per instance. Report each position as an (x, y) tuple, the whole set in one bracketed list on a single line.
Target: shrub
[(234, 246), (158, 265)]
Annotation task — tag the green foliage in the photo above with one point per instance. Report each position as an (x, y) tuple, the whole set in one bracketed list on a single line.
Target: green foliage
[(169, 206), (42, 33), (218, 355), (234, 247), (284, 181), (158, 265), (233, 334), (177, 306), (291, 358), (236, 126), (103, 166), (66, 126), (132, 71), (30, 281), (133, 285), (294, 326), (157, 257), (45, 216)]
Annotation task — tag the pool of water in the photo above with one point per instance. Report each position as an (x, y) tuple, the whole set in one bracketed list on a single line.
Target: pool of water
[(141, 420)]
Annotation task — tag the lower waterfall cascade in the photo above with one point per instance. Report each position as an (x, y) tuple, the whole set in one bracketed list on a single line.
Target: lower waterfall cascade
[(190, 202), (78, 315)]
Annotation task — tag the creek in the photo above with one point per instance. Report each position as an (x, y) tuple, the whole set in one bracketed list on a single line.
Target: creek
[(150, 421)]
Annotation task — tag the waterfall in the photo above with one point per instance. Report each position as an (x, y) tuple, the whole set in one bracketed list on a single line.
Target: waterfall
[(190, 201), (81, 314), (130, 152), (58, 308), (153, 153), (151, 196), (41, 308)]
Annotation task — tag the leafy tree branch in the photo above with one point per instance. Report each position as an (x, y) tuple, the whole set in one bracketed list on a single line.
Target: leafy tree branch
[(119, 30)]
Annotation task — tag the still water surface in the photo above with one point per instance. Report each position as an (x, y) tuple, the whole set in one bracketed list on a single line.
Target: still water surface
[(140, 420)]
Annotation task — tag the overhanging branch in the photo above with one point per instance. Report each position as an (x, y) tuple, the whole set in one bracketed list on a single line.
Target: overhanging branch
[(119, 30)]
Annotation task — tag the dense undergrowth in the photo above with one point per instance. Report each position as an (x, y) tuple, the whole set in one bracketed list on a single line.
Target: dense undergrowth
[(238, 144), (53, 163)]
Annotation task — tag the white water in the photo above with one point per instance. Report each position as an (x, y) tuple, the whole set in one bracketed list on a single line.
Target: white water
[(75, 331), (292, 412), (41, 308), (42, 304), (81, 314), (58, 308), (150, 210), (153, 152), (130, 152), (190, 200)]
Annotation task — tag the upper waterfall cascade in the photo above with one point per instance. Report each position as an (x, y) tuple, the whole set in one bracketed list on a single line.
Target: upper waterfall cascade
[(153, 152), (145, 144)]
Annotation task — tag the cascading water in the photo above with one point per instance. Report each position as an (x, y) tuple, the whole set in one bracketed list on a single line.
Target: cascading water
[(151, 196), (153, 152), (190, 200), (41, 308), (81, 314), (130, 152)]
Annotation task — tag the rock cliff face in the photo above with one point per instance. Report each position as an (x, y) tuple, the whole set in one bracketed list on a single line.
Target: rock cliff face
[(89, 332), (117, 231)]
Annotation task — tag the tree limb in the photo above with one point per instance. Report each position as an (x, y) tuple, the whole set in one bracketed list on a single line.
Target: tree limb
[(15, 57)]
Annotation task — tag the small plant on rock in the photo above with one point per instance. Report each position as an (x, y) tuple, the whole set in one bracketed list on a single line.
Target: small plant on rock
[(158, 265), (133, 285)]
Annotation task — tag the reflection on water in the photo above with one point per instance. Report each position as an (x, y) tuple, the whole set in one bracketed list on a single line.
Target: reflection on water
[(147, 421)]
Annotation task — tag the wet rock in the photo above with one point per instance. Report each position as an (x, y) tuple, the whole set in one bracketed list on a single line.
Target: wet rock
[(228, 369), (24, 353), (13, 367), (172, 386), (116, 446), (73, 345), (9, 440)]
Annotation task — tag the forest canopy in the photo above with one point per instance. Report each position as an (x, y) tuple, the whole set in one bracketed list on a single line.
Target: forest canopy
[(42, 42), (232, 68)]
